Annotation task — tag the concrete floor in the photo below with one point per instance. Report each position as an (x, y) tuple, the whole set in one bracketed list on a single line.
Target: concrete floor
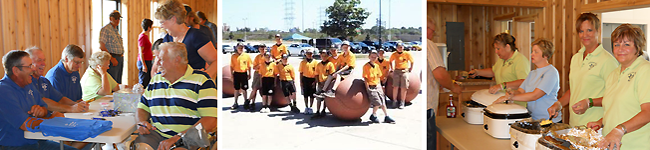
[(281, 129)]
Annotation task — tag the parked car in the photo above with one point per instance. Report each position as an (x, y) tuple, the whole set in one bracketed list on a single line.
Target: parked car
[(355, 47), (325, 43), (299, 49), (408, 46), (251, 49), (364, 47), (388, 47), (417, 45), (226, 48), (372, 44)]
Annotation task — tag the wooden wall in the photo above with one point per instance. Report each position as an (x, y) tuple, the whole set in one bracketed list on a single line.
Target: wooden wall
[(51, 25)]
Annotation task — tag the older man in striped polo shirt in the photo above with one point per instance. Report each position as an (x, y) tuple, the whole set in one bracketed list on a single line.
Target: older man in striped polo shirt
[(176, 99)]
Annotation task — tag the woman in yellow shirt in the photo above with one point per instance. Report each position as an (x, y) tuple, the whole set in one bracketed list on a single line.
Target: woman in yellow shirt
[(589, 68), (626, 101), (511, 68)]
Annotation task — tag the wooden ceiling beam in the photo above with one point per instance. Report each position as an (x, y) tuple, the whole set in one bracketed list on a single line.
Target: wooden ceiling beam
[(509, 3), (614, 5)]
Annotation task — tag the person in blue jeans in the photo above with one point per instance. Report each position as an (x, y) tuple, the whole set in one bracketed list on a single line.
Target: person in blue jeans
[(22, 106), (440, 78)]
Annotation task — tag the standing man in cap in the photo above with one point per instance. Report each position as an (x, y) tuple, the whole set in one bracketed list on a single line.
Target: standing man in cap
[(324, 72), (401, 74), (307, 71), (287, 76), (372, 76), (278, 49), (240, 68), (110, 41), (257, 79), (268, 73), (385, 67)]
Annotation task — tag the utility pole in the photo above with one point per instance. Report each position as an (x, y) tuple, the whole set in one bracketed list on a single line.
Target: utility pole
[(245, 30), (380, 24)]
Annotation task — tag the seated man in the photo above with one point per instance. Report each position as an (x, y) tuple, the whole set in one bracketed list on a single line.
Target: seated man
[(65, 75), (53, 98), (96, 82), (21, 105), (192, 93)]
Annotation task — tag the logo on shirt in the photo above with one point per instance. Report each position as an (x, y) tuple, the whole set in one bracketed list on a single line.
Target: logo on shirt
[(592, 65), (44, 86), (630, 76), (74, 79), (31, 93)]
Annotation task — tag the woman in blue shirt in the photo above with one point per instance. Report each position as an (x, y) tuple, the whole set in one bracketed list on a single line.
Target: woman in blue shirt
[(540, 88)]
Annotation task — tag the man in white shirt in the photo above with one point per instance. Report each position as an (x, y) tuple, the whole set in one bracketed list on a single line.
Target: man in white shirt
[(437, 77)]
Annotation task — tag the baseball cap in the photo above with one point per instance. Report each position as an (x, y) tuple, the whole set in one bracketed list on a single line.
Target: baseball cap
[(285, 56), (115, 14), (309, 51), (277, 35), (373, 51), (346, 43)]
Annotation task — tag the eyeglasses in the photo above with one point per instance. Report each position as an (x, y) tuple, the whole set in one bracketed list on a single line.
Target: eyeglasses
[(78, 62), (28, 66)]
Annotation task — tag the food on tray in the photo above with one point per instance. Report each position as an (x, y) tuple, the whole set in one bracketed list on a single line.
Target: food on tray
[(583, 139)]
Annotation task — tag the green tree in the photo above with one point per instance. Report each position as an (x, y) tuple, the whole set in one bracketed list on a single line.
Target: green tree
[(231, 36), (367, 37), (344, 18)]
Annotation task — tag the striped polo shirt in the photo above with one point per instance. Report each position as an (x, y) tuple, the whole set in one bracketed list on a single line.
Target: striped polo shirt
[(175, 107)]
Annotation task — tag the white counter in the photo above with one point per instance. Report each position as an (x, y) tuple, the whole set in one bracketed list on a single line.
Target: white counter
[(466, 136)]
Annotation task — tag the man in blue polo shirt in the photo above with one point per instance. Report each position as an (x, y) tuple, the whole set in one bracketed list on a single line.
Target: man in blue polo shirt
[(53, 98), (21, 105), (65, 75)]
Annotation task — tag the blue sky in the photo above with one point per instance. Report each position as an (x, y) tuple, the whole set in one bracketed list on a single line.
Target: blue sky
[(270, 13)]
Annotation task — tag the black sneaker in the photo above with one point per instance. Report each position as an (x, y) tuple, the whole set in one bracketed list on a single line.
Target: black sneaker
[(318, 94), (316, 116), (234, 106), (251, 108), (295, 109), (246, 104), (388, 120), (374, 119)]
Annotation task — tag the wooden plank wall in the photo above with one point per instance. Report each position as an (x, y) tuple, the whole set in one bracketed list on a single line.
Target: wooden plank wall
[(51, 25)]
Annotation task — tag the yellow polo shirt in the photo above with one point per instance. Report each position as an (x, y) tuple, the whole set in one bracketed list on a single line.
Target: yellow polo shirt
[(514, 68), (385, 66), (402, 60), (371, 73), (323, 70), (277, 51), (241, 62), (346, 60), (308, 69), (624, 93), (333, 59), (587, 80), (259, 59), (285, 72), (268, 70)]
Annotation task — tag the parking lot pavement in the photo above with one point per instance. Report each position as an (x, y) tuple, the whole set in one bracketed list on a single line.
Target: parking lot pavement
[(282, 129)]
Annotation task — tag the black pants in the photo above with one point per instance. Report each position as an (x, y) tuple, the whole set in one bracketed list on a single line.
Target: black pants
[(432, 130), (144, 77)]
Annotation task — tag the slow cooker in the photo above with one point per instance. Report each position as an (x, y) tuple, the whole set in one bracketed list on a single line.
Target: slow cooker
[(525, 133), (473, 109), (498, 118)]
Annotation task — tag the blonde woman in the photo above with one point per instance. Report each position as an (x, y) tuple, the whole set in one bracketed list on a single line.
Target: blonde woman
[(96, 82)]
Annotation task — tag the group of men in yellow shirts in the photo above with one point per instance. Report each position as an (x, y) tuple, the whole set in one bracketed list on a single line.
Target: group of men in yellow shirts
[(316, 78)]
